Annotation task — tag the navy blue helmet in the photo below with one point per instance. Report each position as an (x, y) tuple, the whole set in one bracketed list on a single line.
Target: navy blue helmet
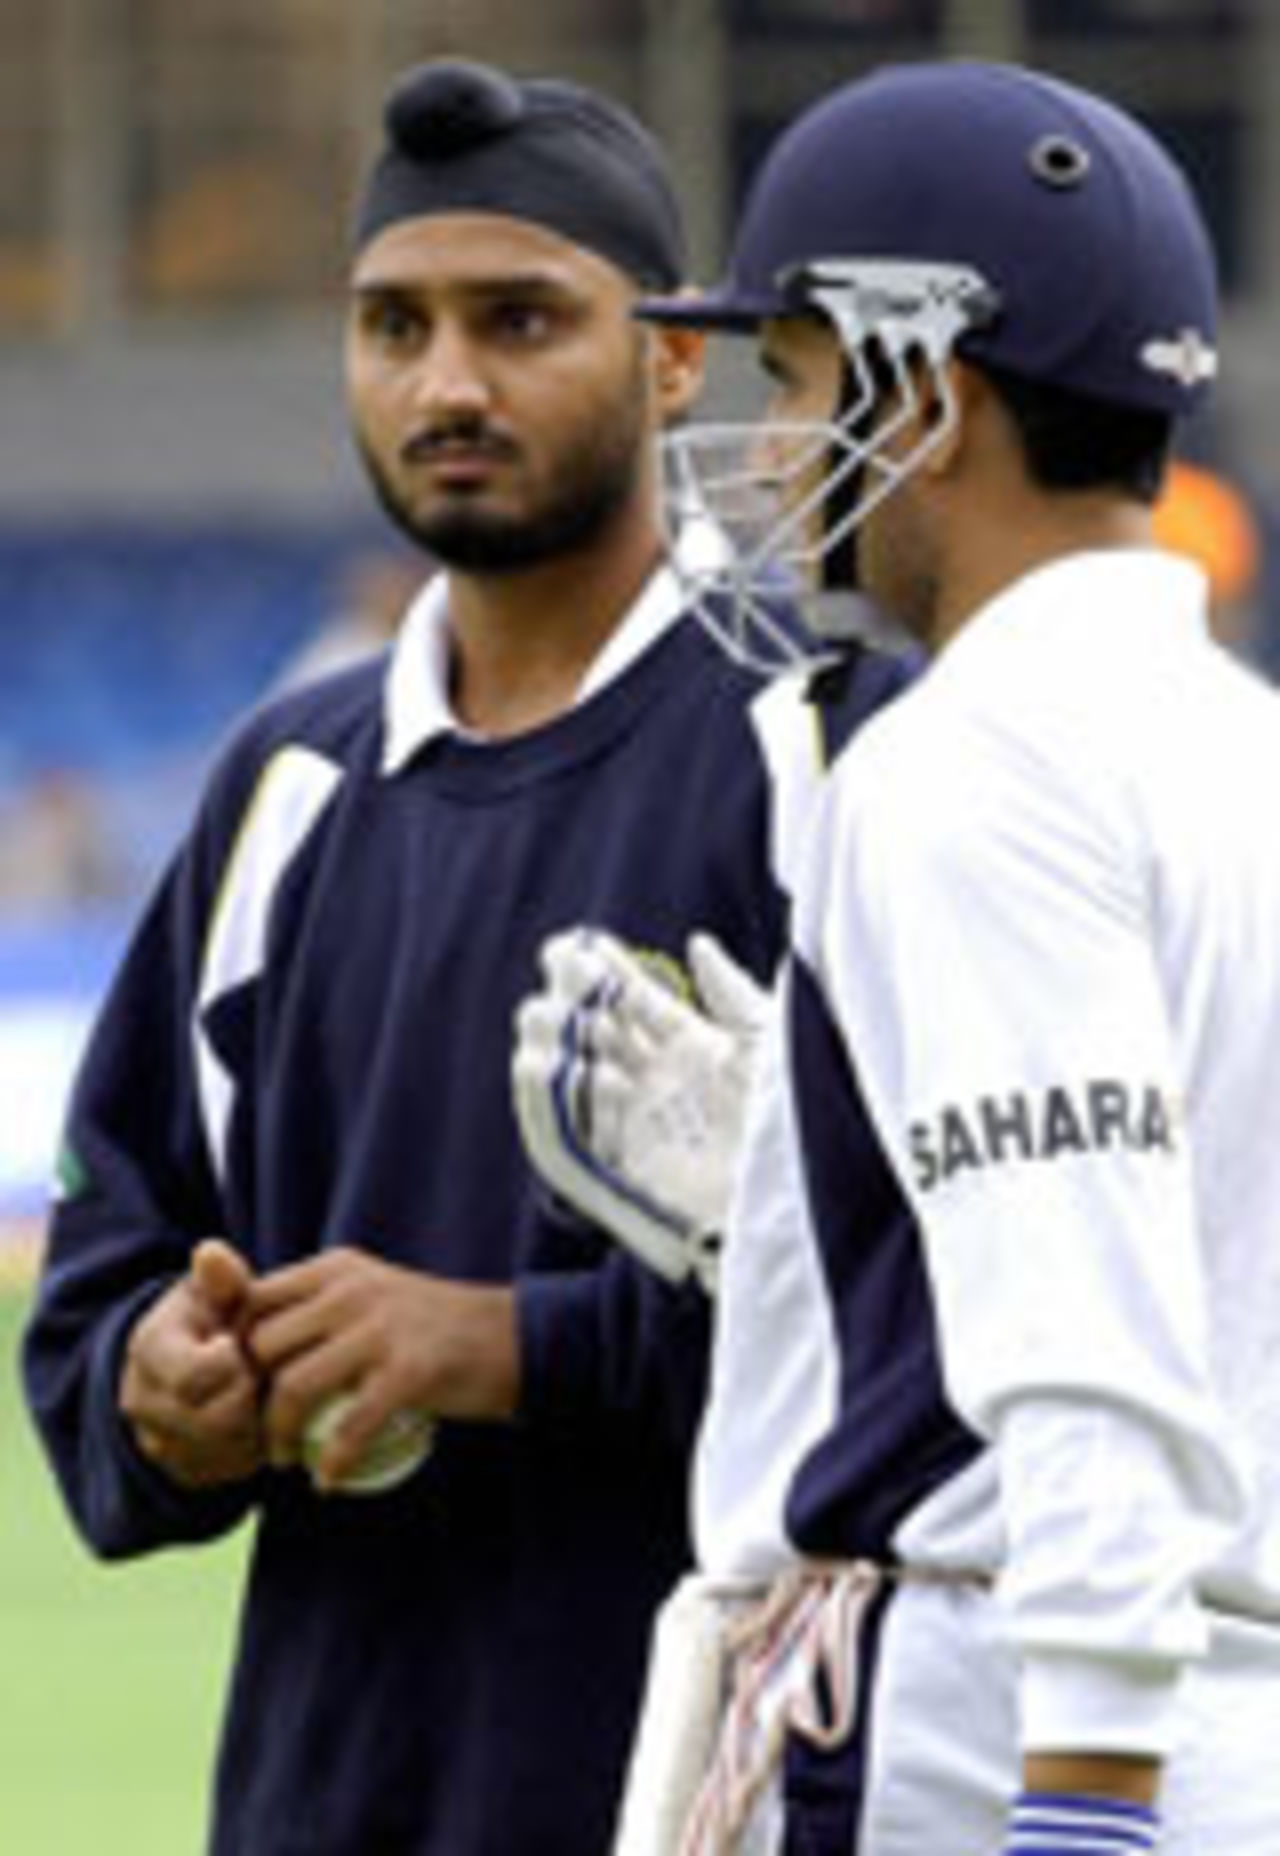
[(980, 210), (1098, 273)]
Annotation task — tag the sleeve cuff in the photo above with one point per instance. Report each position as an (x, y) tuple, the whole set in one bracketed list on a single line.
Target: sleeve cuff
[(1074, 1703), (556, 1321), (134, 1505)]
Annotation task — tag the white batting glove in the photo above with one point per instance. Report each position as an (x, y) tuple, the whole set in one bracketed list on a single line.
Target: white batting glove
[(630, 1098)]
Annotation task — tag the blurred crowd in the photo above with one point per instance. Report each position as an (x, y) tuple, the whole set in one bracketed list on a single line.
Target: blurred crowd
[(77, 835)]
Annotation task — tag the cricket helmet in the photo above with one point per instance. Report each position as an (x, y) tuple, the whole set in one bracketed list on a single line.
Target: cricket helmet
[(981, 210)]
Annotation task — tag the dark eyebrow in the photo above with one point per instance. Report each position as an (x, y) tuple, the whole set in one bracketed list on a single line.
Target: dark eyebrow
[(537, 285)]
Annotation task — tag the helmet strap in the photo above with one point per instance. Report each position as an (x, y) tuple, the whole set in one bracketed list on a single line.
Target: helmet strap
[(839, 571)]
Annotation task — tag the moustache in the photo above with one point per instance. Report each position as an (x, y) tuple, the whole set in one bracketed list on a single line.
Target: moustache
[(471, 437)]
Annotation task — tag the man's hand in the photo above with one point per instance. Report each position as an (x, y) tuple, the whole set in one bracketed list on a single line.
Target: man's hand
[(189, 1390), (631, 1099), (395, 1340)]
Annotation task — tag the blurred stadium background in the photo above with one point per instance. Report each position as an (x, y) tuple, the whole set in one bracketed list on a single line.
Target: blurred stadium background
[(181, 517)]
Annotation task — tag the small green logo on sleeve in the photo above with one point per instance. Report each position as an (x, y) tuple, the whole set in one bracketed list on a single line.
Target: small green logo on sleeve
[(70, 1176)]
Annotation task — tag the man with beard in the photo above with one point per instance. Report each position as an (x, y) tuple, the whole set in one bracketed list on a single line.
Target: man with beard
[(299, 1269)]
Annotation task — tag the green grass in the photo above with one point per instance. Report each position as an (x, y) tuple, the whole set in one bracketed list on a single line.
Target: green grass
[(111, 1677)]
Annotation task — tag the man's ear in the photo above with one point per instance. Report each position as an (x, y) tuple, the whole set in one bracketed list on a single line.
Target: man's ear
[(679, 369)]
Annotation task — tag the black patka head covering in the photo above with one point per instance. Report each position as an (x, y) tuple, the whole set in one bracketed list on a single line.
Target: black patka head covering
[(465, 138)]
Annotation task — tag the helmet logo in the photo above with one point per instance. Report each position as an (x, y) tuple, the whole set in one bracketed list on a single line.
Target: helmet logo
[(1059, 161), (1185, 357)]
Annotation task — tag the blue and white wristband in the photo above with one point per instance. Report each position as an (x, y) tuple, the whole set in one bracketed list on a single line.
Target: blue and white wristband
[(1064, 1824)]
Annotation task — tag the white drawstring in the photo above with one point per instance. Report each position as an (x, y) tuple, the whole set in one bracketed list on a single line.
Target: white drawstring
[(794, 1669)]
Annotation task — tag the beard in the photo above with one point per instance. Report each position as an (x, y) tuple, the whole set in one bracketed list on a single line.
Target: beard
[(593, 475)]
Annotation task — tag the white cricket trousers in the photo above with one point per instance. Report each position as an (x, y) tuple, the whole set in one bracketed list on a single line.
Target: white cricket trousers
[(939, 1742)]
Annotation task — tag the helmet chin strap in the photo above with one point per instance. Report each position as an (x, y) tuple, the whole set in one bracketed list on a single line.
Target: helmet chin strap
[(838, 570), (838, 610)]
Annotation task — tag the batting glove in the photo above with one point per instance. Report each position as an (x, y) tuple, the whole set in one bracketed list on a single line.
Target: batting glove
[(1065, 1824), (630, 1098)]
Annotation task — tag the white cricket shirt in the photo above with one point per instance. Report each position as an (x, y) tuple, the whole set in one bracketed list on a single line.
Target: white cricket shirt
[(1042, 912)]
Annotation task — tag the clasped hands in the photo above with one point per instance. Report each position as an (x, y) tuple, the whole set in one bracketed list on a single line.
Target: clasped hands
[(224, 1370)]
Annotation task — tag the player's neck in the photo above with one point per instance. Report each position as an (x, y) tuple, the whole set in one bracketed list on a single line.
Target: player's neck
[(1044, 530), (523, 642)]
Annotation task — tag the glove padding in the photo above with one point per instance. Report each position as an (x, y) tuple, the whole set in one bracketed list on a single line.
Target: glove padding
[(631, 1099)]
